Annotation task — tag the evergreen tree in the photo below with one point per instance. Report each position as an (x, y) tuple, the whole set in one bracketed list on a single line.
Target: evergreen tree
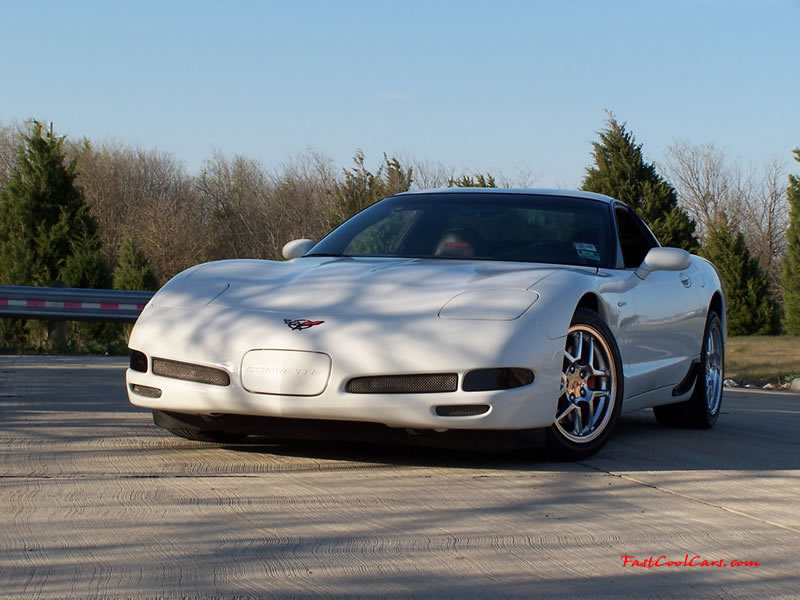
[(621, 172), (791, 263), (44, 220), (361, 188), (86, 267), (133, 271), (751, 310), (479, 180)]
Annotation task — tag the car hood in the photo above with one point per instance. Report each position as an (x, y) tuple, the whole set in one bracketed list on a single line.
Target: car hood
[(315, 286)]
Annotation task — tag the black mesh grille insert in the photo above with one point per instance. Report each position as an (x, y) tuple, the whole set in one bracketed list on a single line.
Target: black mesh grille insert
[(462, 410), (190, 372), (404, 384)]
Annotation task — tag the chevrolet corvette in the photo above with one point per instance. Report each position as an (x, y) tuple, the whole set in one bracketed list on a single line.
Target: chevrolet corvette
[(481, 311)]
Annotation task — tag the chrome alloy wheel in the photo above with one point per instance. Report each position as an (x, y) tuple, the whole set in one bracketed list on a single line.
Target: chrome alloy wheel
[(713, 371), (588, 387)]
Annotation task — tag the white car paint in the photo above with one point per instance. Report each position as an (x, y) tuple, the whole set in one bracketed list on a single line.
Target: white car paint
[(384, 316)]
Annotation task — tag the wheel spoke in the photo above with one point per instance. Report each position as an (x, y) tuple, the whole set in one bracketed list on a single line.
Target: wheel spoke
[(599, 372), (566, 412), (577, 423)]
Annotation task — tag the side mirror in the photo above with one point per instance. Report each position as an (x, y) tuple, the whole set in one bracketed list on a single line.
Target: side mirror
[(297, 248), (664, 259)]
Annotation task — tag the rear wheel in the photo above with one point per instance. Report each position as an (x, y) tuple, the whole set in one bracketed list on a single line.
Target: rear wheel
[(702, 409), (590, 396)]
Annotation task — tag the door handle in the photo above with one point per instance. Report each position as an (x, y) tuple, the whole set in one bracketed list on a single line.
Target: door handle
[(685, 280)]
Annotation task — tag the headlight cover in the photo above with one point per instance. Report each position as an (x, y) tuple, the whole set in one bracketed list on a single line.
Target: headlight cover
[(496, 304), (184, 290)]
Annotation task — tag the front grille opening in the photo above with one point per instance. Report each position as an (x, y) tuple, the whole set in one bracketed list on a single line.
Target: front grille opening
[(189, 372), (145, 390), (138, 361), (485, 380), (462, 410), (404, 384)]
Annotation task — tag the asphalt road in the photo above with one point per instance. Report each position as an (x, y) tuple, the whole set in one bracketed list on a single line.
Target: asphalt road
[(97, 502)]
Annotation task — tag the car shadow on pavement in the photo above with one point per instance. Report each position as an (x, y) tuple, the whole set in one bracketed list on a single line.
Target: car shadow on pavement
[(749, 435)]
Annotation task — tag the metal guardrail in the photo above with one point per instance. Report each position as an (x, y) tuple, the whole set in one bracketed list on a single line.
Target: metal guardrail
[(71, 304)]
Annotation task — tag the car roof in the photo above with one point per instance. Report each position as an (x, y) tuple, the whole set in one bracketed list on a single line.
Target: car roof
[(517, 191)]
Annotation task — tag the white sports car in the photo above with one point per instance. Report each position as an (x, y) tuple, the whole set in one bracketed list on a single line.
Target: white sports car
[(524, 315)]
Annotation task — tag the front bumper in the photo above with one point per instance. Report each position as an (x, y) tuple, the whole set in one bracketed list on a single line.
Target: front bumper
[(357, 348)]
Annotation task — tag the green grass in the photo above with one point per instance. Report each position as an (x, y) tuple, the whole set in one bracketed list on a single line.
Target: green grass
[(762, 359)]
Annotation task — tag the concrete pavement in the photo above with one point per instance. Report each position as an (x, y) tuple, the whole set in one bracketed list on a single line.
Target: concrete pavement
[(97, 502)]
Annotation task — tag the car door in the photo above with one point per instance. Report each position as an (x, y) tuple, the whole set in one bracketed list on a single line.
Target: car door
[(660, 336)]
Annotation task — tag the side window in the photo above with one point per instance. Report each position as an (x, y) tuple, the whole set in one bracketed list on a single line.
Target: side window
[(634, 238)]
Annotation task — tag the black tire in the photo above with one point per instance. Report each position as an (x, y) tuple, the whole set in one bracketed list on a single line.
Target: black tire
[(702, 409), (591, 392), (219, 437)]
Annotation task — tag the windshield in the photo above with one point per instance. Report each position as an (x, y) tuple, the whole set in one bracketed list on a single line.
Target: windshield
[(477, 226)]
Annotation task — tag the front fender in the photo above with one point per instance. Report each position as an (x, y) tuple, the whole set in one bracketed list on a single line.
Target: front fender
[(561, 292)]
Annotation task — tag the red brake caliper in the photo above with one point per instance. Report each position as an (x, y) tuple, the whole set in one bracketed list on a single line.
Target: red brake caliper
[(594, 383)]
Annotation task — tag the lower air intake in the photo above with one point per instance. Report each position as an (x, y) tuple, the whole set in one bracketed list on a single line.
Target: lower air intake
[(404, 384), (190, 372), (462, 410)]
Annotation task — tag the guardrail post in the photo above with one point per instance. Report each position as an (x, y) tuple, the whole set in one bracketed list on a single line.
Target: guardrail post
[(57, 330), (56, 334)]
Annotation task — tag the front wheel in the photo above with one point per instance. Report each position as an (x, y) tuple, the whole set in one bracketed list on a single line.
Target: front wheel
[(590, 396)]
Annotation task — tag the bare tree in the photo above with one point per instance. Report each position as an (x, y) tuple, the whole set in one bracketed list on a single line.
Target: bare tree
[(233, 189), (752, 201), (706, 185), (430, 175), (303, 195), (10, 143), (255, 211), (149, 196), (766, 218)]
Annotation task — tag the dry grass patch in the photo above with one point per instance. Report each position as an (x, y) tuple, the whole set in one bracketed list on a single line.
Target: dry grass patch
[(762, 359)]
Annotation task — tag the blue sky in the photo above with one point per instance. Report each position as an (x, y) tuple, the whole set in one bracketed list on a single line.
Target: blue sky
[(510, 86)]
